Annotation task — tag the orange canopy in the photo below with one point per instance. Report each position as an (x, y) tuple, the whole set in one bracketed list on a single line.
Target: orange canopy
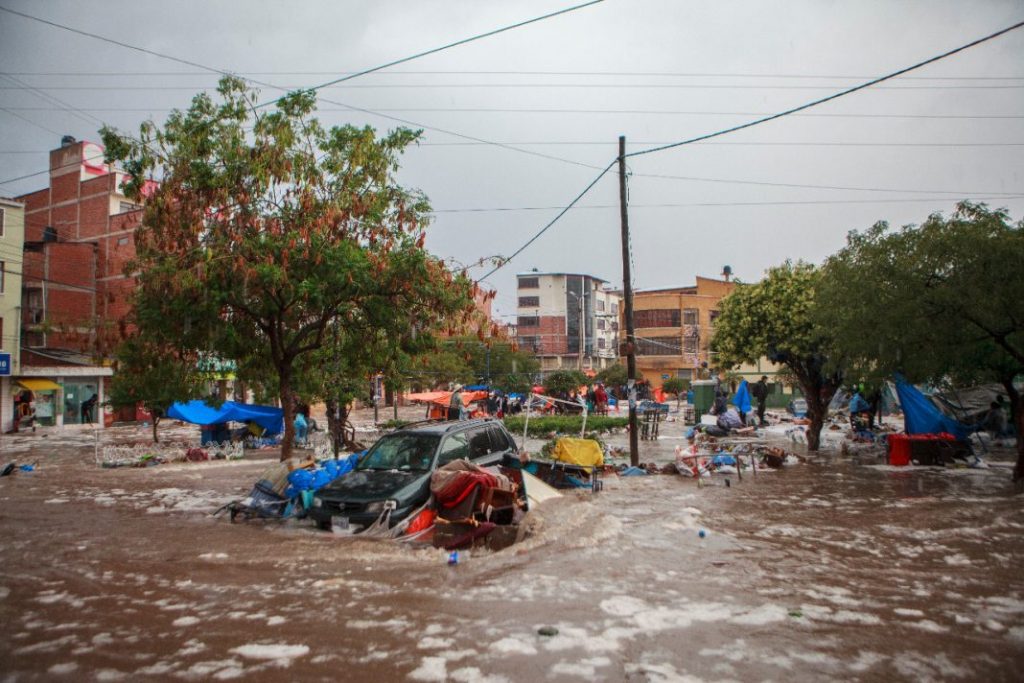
[(444, 398)]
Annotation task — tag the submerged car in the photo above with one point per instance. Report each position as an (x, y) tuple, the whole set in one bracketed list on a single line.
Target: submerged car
[(395, 473)]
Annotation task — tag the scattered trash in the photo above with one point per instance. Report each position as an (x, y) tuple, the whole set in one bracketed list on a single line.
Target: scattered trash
[(453, 557), (547, 631), (702, 533), (795, 613)]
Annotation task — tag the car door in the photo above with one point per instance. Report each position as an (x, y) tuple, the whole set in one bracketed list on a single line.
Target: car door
[(454, 447), (481, 451)]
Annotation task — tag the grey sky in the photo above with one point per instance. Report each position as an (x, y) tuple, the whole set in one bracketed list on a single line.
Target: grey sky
[(656, 71)]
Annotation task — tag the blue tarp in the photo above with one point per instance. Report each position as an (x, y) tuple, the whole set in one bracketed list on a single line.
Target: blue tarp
[(742, 398), (922, 417), (198, 412)]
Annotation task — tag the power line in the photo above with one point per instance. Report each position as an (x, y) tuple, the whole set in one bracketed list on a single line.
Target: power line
[(457, 43), (552, 222), (880, 200), (542, 86), (451, 72), (526, 110), (347, 107), (833, 96)]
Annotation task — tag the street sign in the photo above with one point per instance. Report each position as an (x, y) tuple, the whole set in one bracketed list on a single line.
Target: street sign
[(5, 364)]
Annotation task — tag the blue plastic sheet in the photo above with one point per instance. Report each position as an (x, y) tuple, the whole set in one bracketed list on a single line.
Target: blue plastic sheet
[(742, 398), (198, 412), (922, 417)]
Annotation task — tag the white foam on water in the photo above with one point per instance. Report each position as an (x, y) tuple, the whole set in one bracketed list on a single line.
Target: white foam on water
[(229, 673), (209, 668), (434, 629), (471, 674), (158, 669), (431, 669), (847, 617), (514, 645), (46, 646), (191, 647), (865, 661), (994, 625), (1016, 633), (276, 621), (101, 639), (213, 556), (958, 560), (434, 643), (56, 501), (623, 605), (660, 673), (585, 668), (110, 675), (271, 651), (904, 612), (929, 626), (185, 621), (65, 668), (759, 616)]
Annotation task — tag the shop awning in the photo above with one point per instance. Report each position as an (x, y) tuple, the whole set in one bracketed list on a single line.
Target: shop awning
[(36, 384)]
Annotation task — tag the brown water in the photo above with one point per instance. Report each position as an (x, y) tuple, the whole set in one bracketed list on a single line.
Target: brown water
[(838, 568)]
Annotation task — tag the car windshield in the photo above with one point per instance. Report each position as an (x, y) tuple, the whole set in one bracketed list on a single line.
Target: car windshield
[(406, 452)]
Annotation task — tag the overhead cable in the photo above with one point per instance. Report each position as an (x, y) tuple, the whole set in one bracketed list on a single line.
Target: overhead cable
[(834, 96)]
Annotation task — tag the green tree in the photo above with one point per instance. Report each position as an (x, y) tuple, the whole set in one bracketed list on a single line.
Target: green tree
[(774, 318), (267, 231), (615, 375), (155, 374), (563, 382), (943, 302)]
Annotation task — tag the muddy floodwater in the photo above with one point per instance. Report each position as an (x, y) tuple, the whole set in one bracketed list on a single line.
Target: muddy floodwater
[(839, 568)]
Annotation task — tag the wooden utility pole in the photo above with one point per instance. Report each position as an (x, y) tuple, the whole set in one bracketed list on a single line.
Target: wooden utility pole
[(627, 292)]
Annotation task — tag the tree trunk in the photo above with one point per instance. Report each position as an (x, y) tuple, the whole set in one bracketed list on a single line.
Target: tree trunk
[(288, 406), (1017, 415), (156, 421), (816, 414), (335, 423)]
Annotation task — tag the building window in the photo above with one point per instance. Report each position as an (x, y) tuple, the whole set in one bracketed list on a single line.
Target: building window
[(712, 317), (601, 343), (121, 241), (690, 345), (529, 283), (615, 326), (529, 343), (529, 321), (658, 346), (600, 306), (129, 206), (615, 308), (3, 215), (3, 269), (690, 316), (658, 317), (527, 301), (600, 323)]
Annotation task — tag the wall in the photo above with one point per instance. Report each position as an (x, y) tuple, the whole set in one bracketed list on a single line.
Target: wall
[(11, 241)]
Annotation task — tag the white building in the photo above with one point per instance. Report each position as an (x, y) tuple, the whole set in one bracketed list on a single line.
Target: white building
[(569, 320)]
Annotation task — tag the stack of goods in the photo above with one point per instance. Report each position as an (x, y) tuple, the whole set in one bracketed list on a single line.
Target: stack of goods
[(475, 506)]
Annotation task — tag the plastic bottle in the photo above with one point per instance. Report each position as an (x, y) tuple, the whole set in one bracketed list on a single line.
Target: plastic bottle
[(453, 557)]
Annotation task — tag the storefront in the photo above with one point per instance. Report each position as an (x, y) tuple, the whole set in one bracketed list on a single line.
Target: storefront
[(37, 396)]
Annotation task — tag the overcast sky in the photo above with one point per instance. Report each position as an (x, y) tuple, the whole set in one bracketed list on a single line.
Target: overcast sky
[(561, 92)]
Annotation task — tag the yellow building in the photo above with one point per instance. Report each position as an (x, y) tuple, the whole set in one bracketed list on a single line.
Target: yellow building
[(673, 329), (12, 241)]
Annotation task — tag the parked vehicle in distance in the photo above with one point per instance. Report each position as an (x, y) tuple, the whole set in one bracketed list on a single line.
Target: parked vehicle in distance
[(395, 472)]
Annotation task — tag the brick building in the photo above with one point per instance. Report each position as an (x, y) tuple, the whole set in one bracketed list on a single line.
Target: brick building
[(78, 236)]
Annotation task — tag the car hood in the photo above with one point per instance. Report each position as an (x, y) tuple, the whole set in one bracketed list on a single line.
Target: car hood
[(371, 485)]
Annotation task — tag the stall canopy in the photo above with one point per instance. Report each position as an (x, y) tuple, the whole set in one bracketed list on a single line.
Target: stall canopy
[(38, 384), (922, 417), (444, 398), (198, 412)]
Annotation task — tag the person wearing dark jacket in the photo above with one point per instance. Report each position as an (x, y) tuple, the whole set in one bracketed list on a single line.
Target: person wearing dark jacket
[(760, 392)]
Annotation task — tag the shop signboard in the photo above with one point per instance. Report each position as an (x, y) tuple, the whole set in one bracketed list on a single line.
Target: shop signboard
[(5, 364)]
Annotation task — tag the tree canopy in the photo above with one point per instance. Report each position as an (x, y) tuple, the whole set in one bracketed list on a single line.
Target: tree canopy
[(943, 301), (269, 235), (774, 318)]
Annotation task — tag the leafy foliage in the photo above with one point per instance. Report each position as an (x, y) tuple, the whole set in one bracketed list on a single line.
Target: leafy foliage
[(270, 239), (564, 424), (615, 375), (944, 300), (675, 385), (774, 318), (563, 382)]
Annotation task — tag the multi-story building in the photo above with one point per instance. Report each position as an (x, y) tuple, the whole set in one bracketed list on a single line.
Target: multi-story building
[(673, 330), (570, 321), (74, 293), (673, 327), (12, 237)]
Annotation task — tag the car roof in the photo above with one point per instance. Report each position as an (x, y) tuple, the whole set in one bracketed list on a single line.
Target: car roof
[(446, 427)]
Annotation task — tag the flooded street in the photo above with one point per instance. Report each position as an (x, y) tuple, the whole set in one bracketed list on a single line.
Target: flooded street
[(837, 568)]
